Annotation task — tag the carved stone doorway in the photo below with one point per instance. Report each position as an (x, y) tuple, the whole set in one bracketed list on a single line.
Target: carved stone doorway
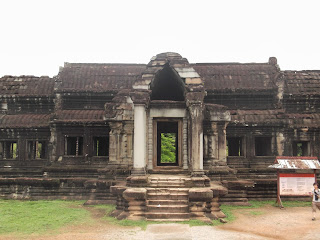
[(167, 143)]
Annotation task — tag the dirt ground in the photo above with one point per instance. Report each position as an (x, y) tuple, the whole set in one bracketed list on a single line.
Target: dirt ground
[(254, 224)]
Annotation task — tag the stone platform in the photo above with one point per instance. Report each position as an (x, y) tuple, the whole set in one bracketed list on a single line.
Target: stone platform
[(162, 197)]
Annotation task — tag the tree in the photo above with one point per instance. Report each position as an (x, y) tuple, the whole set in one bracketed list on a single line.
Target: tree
[(168, 147)]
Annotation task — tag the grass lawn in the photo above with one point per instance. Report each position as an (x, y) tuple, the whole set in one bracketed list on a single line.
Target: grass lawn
[(27, 217)]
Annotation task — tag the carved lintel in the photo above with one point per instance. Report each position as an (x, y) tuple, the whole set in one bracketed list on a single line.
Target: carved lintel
[(141, 97), (195, 98), (217, 113), (116, 127)]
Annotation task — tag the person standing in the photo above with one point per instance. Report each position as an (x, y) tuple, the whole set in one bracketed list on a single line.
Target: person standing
[(315, 200)]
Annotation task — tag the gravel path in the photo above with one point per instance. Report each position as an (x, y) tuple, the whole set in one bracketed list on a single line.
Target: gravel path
[(179, 232)]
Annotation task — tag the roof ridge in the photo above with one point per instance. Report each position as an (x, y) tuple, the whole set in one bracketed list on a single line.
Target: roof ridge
[(67, 64), (298, 71), (231, 63)]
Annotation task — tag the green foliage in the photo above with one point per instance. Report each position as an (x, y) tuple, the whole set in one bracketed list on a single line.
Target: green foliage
[(14, 150), (168, 147), (296, 204), (194, 222), (216, 222), (299, 150), (26, 217), (107, 207)]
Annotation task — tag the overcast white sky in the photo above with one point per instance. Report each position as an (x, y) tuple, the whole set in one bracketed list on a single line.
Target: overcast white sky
[(39, 36)]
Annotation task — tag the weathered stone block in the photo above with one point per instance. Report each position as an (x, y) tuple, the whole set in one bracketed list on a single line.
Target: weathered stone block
[(193, 81), (218, 190), (200, 194), (117, 190), (135, 194)]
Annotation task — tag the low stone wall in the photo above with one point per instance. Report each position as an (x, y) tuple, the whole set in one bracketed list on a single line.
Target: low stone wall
[(57, 188), (266, 189)]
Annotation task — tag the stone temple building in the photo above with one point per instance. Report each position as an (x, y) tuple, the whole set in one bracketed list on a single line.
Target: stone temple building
[(97, 132)]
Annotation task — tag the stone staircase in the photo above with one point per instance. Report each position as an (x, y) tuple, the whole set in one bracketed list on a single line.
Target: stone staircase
[(167, 181), (235, 197), (167, 197), (167, 203)]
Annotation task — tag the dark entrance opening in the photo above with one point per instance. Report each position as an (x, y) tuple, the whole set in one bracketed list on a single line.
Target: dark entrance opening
[(167, 85), (167, 144)]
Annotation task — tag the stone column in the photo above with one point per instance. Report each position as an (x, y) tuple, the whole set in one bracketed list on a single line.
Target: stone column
[(280, 141), (52, 146), (139, 146), (127, 143), (196, 138), (114, 139), (211, 143), (150, 143), (185, 143), (222, 141), (217, 118)]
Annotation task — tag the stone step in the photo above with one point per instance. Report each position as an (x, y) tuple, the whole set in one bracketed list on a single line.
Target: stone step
[(167, 190), (235, 195), (167, 202), (169, 220), (162, 185), (169, 172), (167, 216), (167, 182), (253, 196), (167, 196), (168, 179), (236, 191), (168, 208), (263, 192)]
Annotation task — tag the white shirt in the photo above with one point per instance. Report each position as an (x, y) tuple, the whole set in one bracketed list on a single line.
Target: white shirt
[(314, 192)]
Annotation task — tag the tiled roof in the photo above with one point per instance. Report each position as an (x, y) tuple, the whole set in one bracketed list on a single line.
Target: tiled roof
[(266, 117), (26, 86), (24, 120), (79, 116), (79, 77), (236, 76), (302, 82)]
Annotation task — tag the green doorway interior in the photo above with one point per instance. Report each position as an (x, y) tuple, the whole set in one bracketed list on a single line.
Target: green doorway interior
[(167, 143)]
